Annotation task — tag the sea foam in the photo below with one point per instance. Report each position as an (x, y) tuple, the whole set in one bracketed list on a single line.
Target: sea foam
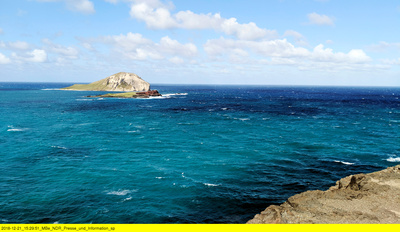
[(120, 192), (343, 162), (393, 159)]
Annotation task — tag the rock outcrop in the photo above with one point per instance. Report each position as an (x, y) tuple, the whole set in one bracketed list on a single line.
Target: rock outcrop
[(147, 94), (122, 81), (363, 198)]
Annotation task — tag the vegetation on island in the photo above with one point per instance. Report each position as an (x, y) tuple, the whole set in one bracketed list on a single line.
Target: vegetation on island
[(119, 95)]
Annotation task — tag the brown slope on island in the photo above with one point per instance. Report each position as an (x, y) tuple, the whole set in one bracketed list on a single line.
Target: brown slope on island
[(121, 81), (363, 198)]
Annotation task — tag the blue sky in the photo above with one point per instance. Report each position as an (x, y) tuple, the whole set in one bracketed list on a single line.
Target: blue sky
[(276, 42)]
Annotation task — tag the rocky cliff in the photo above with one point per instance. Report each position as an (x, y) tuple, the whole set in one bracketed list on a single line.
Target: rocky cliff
[(362, 198), (122, 81)]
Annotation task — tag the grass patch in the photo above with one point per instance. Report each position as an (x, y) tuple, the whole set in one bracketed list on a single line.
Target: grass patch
[(120, 95)]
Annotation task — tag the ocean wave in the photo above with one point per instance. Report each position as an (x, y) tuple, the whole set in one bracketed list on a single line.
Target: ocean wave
[(175, 94), (211, 185), (16, 129), (127, 199), (242, 119), (121, 192), (343, 162), (59, 147), (12, 129), (393, 159)]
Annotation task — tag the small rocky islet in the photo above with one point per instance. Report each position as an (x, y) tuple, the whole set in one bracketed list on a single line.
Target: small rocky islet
[(130, 84)]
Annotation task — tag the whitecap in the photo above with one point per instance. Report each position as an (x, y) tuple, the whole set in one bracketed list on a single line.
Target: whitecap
[(59, 147), (393, 159), (343, 162), (175, 94), (15, 130), (120, 192), (242, 119), (158, 97), (211, 185), (127, 199)]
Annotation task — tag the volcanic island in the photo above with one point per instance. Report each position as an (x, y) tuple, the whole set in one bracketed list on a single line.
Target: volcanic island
[(130, 84)]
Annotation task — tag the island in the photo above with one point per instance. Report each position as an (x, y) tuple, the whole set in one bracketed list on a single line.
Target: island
[(362, 198), (130, 84)]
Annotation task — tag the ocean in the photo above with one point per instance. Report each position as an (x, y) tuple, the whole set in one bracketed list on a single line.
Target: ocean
[(198, 154)]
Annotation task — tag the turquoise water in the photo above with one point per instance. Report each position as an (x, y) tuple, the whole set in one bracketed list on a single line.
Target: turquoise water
[(213, 154)]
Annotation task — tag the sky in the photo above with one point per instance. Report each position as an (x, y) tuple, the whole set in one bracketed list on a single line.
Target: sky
[(252, 42)]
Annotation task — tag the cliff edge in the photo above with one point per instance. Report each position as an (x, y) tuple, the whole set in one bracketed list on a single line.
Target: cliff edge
[(363, 198), (121, 81)]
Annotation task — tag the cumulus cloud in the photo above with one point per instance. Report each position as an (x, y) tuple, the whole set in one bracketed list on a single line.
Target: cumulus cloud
[(134, 46), (267, 48), (354, 56), (19, 45), (318, 19), (82, 6), (157, 15), (4, 59), (282, 52), (35, 56), (176, 60), (299, 38), (66, 52)]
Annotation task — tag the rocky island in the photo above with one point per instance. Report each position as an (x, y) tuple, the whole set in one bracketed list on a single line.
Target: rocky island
[(132, 85), (372, 198)]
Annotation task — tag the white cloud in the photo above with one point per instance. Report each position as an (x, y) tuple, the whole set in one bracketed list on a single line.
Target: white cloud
[(267, 48), (66, 52), (173, 47), (36, 56), (176, 60), (4, 59), (158, 16), (354, 56), (282, 52), (383, 46), (134, 46), (82, 6), (299, 38), (19, 45), (1, 31), (391, 62), (318, 19)]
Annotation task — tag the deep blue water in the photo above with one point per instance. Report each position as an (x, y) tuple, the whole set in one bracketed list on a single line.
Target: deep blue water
[(218, 154)]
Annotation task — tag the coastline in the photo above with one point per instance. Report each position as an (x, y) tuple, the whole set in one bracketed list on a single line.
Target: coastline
[(357, 199)]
